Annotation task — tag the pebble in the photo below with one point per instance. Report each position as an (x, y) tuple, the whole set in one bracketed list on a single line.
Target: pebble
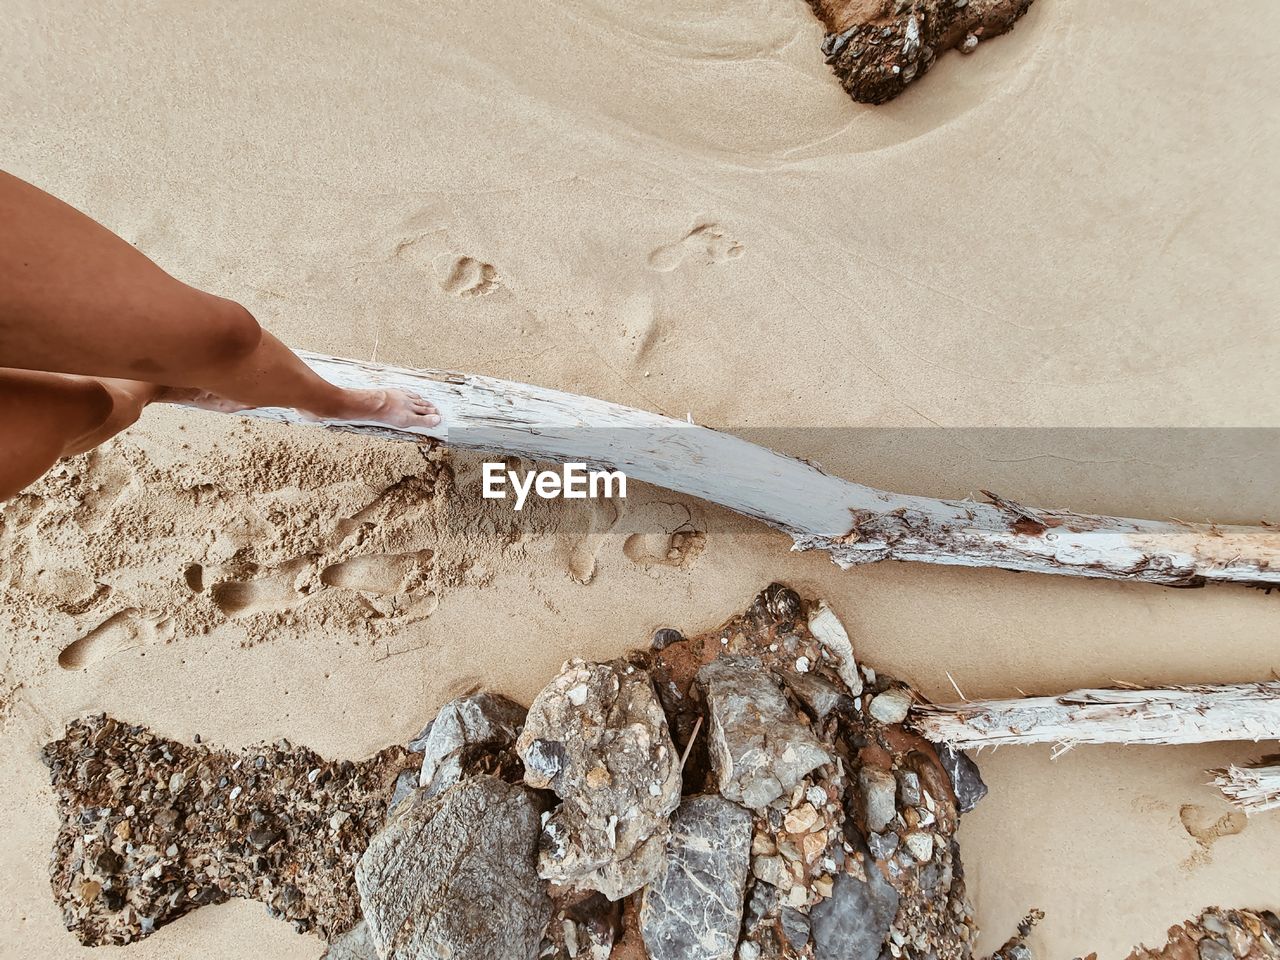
[(879, 789), (970, 44), (920, 844), (1211, 949), (891, 706)]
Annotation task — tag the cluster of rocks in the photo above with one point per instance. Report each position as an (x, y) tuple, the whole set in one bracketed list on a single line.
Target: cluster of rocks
[(1218, 934), (152, 829), (748, 794), (752, 793), (876, 50)]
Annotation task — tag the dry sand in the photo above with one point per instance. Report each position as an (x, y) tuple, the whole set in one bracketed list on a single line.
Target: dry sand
[(680, 211)]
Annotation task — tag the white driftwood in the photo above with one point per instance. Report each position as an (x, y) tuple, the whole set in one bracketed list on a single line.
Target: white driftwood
[(1254, 788), (854, 523), (1193, 714)]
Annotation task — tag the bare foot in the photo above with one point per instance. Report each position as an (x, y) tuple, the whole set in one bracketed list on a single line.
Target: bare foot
[(395, 408)]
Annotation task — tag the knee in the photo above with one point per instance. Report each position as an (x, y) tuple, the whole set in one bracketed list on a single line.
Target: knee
[(230, 332)]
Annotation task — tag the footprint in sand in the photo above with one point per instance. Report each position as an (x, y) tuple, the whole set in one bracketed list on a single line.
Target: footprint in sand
[(668, 536), (582, 558), (1207, 827), (664, 549), (468, 277), (282, 589), (122, 631), (705, 244), (384, 574)]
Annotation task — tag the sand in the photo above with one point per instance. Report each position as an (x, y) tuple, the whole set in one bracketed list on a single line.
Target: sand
[(1071, 228)]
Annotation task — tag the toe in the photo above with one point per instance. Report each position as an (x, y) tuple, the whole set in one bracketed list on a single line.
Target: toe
[(431, 421)]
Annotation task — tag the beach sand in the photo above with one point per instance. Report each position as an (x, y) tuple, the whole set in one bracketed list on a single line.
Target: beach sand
[(679, 211)]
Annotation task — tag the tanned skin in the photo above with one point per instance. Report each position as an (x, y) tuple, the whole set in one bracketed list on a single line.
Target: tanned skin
[(91, 331)]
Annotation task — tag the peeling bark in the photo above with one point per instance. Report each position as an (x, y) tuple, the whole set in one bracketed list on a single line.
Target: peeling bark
[(854, 523), (877, 47), (1192, 714), (1253, 788)]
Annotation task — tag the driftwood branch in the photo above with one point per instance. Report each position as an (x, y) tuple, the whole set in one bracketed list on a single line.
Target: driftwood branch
[(854, 523), (1192, 714), (1254, 788)]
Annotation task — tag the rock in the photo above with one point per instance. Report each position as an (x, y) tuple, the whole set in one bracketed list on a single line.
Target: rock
[(883, 845), (795, 927), (693, 909), (465, 733), (597, 736), (891, 706), (909, 788), (966, 780), (920, 844), (665, 637), (854, 922), (454, 877), (829, 631), (352, 945), (405, 786), (759, 748), (819, 696), (1211, 949), (879, 791)]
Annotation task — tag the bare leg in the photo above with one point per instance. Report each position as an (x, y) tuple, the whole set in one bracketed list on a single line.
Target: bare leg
[(75, 298), (47, 416)]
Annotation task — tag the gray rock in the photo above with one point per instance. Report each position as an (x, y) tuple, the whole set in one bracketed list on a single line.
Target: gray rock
[(909, 788), (879, 791), (820, 696), (597, 736), (883, 845), (406, 785), (966, 781), (454, 877), (693, 909), (759, 748), (352, 945), (853, 923), (795, 927), (830, 632), (463, 732)]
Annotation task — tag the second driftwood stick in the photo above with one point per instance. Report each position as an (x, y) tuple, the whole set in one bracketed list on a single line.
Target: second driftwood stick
[(1252, 788), (1200, 713), (854, 523)]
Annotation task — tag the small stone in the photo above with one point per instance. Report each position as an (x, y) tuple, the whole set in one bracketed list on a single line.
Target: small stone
[(883, 845), (748, 950), (829, 631), (920, 844), (801, 819), (892, 706), (665, 637), (970, 44), (879, 790), (908, 788), (1211, 949), (966, 780), (795, 927)]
